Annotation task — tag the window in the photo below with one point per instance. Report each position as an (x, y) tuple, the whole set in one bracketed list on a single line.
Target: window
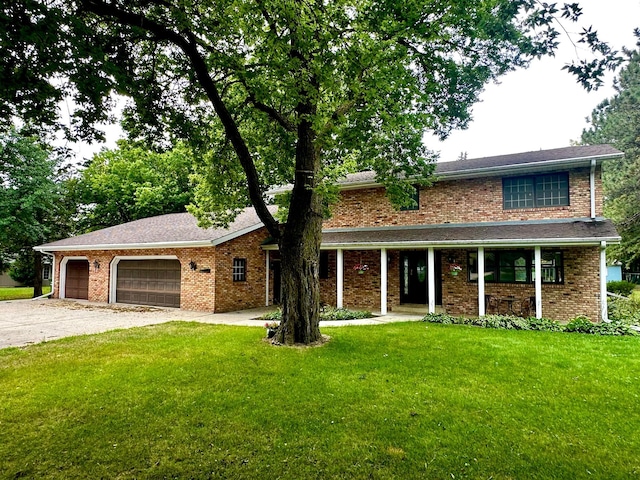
[(549, 190), (324, 264), (416, 198), (46, 272), (239, 269), (516, 266)]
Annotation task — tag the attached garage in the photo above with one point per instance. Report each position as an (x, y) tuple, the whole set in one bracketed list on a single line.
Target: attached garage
[(148, 282), (77, 279)]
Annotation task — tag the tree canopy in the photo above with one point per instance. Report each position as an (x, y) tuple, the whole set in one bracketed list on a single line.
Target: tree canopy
[(131, 182), (29, 195), (617, 121), (272, 92)]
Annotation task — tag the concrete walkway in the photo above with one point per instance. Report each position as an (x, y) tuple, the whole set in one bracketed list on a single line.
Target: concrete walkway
[(25, 322)]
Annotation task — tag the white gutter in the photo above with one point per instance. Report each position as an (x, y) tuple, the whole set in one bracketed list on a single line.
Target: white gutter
[(479, 172), (558, 242), (53, 276), (592, 187)]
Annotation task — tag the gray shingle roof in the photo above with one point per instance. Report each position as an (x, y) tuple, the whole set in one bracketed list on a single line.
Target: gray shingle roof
[(531, 161), (174, 228), (565, 231)]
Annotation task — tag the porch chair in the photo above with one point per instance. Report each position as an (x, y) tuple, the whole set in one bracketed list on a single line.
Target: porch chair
[(528, 307), (491, 304)]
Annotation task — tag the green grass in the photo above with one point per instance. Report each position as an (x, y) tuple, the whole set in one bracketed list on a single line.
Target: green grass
[(408, 400), (19, 293)]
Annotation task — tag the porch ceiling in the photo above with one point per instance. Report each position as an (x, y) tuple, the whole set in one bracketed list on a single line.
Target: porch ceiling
[(544, 232)]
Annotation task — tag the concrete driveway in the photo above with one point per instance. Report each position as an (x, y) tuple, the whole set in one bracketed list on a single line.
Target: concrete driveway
[(24, 322)]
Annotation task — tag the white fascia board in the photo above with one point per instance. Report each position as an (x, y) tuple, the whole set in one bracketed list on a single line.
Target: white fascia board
[(555, 242), (236, 234), (483, 172), (527, 167), (144, 246), (126, 246)]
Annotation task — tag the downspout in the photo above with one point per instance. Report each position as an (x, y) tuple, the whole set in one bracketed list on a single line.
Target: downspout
[(592, 187), (604, 313), (53, 275)]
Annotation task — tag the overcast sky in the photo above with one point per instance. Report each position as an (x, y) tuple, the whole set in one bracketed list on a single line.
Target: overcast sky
[(537, 108), (543, 107)]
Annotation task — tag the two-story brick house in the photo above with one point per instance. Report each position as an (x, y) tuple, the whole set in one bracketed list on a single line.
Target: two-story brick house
[(521, 233)]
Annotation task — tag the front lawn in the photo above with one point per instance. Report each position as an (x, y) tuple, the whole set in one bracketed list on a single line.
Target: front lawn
[(408, 400), (19, 293)]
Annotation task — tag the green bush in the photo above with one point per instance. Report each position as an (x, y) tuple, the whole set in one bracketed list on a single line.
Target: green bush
[(329, 313), (624, 310), (621, 287), (580, 324)]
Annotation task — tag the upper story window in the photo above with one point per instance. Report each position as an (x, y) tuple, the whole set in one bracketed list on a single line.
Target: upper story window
[(239, 269), (549, 190), (416, 199)]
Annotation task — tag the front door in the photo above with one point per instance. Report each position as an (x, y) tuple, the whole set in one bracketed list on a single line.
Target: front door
[(414, 278)]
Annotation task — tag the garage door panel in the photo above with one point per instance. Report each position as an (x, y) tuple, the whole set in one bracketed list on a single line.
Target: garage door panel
[(77, 279), (149, 282)]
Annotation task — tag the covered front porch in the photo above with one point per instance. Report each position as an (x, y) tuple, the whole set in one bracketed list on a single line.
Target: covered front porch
[(559, 274)]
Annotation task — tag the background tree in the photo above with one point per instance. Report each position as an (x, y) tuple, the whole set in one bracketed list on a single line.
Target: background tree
[(131, 182), (617, 121), (29, 197), (275, 92)]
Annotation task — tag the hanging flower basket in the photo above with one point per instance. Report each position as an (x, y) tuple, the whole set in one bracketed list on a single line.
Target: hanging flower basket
[(454, 269), (271, 329), (361, 268)]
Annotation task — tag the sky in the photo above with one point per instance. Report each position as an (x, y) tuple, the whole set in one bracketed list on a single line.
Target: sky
[(543, 106), (529, 109)]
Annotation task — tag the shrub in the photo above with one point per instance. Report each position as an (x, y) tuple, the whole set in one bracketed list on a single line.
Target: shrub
[(331, 313), (443, 318), (545, 324), (625, 310), (328, 313), (613, 328), (621, 287), (580, 324)]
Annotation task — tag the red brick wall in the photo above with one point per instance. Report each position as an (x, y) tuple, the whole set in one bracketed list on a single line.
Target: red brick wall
[(214, 291), (579, 295), (458, 201), (197, 288), (251, 293)]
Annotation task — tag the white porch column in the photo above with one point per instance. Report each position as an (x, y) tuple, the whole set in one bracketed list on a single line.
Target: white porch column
[(482, 308), (383, 281), (431, 272), (339, 278), (538, 280), (604, 309), (266, 281)]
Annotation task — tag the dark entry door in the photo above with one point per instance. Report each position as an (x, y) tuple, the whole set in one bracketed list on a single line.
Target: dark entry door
[(414, 278), (77, 280), (277, 283)]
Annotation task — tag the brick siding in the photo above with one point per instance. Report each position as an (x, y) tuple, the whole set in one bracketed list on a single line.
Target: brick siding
[(212, 291), (458, 201)]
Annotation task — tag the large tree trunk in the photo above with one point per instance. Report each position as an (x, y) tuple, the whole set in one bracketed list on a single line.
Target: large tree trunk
[(37, 281), (300, 249)]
